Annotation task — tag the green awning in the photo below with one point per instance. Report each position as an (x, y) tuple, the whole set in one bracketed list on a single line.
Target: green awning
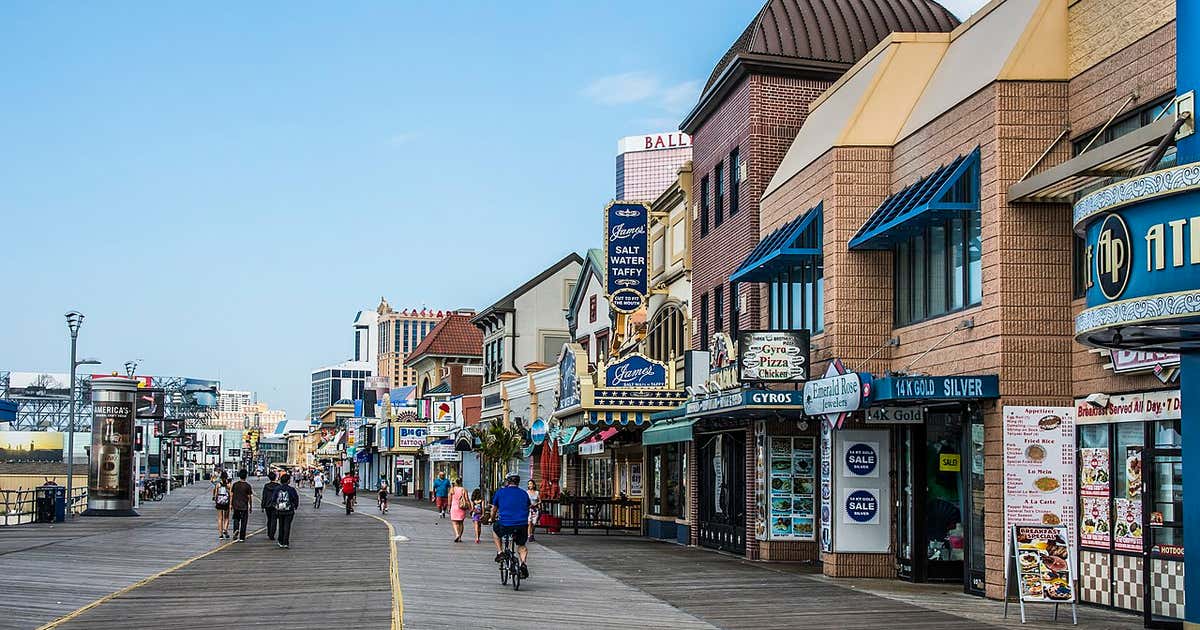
[(668, 432), (670, 414)]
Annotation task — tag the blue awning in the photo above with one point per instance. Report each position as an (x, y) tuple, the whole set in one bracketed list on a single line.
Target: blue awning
[(618, 417), (946, 192), (8, 411), (669, 414), (794, 243)]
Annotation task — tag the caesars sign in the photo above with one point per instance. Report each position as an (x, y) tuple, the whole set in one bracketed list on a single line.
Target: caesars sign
[(773, 355), (626, 229)]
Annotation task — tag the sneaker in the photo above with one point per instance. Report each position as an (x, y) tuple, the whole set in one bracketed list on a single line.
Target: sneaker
[(524, 571), (287, 546), (498, 556), (280, 545), (237, 540)]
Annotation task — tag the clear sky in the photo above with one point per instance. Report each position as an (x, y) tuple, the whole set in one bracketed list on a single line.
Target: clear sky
[(220, 187)]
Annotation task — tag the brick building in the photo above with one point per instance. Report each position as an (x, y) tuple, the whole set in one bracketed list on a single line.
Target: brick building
[(752, 106), (933, 185)]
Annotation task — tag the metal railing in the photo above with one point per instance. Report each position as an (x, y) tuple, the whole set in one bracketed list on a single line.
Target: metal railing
[(18, 507), (606, 514)]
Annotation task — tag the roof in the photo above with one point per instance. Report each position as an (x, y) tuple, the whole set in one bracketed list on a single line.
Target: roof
[(442, 388), (454, 336), (595, 265), (508, 302), (831, 35)]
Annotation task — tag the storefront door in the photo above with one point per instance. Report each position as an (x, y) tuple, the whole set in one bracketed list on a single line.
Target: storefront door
[(722, 491), (1162, 513), (933, 500)]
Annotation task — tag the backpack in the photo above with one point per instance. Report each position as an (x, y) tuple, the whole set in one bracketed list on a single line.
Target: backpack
[(269, 495), (283, 500), (222, 496)]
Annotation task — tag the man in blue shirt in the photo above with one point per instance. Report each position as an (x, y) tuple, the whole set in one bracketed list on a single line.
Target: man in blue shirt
[(510, 513), (441, 490)]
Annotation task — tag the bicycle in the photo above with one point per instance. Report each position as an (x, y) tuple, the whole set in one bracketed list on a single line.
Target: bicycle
[(350, 501), (317, 499), (383, 504), (510, 564)]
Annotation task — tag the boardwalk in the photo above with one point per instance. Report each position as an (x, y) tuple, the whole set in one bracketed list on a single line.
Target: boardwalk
[(167, 569)]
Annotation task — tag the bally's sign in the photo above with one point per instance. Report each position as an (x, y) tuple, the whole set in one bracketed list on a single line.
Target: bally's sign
[(636, 371), (626, 237), (773, 356)]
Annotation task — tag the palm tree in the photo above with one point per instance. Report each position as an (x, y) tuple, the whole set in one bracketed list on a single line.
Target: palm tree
[(499, 445)]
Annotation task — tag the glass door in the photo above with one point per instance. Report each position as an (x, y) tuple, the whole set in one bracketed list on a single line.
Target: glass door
[(945, 539), (1162, 513), (723, 491), (905, 501), (976, 569)]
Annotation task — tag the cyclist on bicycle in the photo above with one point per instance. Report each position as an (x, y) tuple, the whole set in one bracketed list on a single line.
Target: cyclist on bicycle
[(510, 513), (349, 487), (318, 488), (383, 492)]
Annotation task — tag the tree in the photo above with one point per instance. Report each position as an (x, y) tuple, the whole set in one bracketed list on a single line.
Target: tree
[(499, 445)]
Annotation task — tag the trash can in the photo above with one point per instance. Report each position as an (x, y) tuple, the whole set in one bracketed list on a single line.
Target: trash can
[(44, 504), (60, 503)]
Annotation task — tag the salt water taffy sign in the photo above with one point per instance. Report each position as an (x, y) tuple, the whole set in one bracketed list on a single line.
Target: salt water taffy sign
[(626, 238)]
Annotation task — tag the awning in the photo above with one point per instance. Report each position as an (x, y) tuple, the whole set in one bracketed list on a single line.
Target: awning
[(622, 418), (595, 444), (794, 243), (935, 197), (571, 440), (670, 414), (8, 411), (1118, 158), (668, 432)]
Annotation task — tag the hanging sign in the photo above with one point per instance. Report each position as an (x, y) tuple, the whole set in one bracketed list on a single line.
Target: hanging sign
[(626, 237), (775, 356), (537, 432), (836, 394)]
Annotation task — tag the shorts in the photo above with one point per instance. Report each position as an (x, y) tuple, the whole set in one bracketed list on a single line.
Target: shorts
[(223, 508), (519, 533), (440, 502)]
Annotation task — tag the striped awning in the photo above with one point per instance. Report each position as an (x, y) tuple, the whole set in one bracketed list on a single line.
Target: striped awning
[(637, 418)]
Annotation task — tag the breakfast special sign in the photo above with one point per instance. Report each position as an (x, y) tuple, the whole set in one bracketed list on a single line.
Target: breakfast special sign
[(1039, 467), (626, 238)]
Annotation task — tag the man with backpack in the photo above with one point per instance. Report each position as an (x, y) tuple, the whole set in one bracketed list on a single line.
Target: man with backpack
[(349, 489), (286, 500), (268, 504), (243, 497)]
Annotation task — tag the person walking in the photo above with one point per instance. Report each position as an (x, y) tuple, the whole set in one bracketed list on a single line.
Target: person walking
[(243, 499), (221, 497), (337, 483), (460, 506), (286, 500), (535, 505), (441, 492), (477, 512), (268, 504)]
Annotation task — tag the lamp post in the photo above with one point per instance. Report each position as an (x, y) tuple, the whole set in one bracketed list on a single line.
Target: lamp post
[(74, 320)]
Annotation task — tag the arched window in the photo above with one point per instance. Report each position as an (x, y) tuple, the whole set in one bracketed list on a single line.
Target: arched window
[(665, 339)]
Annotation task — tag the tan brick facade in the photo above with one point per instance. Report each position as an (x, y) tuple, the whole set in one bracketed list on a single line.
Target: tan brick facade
[(1097, 29)]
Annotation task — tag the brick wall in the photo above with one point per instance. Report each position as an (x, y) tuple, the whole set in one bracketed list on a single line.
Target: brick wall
[(1098, 29), (1147, 66)]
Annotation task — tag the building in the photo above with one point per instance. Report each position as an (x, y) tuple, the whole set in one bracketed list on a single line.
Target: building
[(338, 382), (526, 326), (588, 316), (399, 333), (449, 358), (232, 400), (647, 164), (753, 104), (919, 228), (366, 336)]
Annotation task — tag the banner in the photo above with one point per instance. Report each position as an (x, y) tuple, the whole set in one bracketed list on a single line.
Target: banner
[(626, 237), (31, 446)]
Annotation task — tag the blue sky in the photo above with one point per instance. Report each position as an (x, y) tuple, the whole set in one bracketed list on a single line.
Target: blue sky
[(220, 187)]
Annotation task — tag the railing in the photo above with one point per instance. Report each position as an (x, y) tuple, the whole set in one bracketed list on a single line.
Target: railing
[(20, 506), (597, 513)]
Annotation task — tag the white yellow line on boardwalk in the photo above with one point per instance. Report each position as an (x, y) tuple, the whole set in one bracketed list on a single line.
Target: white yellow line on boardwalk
[(393, 575), (140, 583)]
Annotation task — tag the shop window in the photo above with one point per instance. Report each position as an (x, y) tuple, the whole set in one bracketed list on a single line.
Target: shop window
[(734, 181), (666, 489), (939, 270), (597, 478), (704, 206)]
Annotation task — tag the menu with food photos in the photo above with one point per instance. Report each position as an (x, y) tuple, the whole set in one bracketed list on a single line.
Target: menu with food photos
[(1043, 561), (1039, 467)]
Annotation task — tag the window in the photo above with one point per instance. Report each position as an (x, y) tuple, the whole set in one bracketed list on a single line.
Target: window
[(704, 322), (568, 289), (551, 345), (939, 270), (719, 177), (797, 298), (601, 345), (592, 309), (583, 342), (666, 486), (718, 309), (704, 206), (597, 477), (493, 359), (733, 310), (734, 180), (1139, 117), (665, 340), (1079, 270)]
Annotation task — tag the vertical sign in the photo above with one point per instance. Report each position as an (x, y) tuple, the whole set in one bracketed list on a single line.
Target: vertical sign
[(626, 232), (1039, 467), (826, 487)]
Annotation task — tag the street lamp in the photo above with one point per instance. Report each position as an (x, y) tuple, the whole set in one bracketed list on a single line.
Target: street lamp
[(74, 320)]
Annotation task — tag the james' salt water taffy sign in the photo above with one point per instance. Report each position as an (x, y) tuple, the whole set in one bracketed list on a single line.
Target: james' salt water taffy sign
[(626, 238)]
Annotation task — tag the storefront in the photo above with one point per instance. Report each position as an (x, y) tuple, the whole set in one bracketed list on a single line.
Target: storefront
[(667, 445), (1130, 501), (936, 423)]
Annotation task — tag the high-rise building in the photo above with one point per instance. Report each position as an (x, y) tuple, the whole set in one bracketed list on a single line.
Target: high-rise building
[(366, 336), (341, 381), (399, 332), (647, 164), (232, 400)]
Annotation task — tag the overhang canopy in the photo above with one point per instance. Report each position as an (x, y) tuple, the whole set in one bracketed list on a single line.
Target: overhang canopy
[(795, 242), (1121, 157), (948, 191), (668, 432)]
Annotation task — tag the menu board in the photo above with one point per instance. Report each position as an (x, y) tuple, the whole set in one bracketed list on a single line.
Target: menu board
[(1043, 561), (1127, 525), (1095, 492), (826, 488), (793, 489), (1039, 466)]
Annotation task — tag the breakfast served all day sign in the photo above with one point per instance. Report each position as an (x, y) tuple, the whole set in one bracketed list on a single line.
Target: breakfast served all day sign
[(1039, 467)]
